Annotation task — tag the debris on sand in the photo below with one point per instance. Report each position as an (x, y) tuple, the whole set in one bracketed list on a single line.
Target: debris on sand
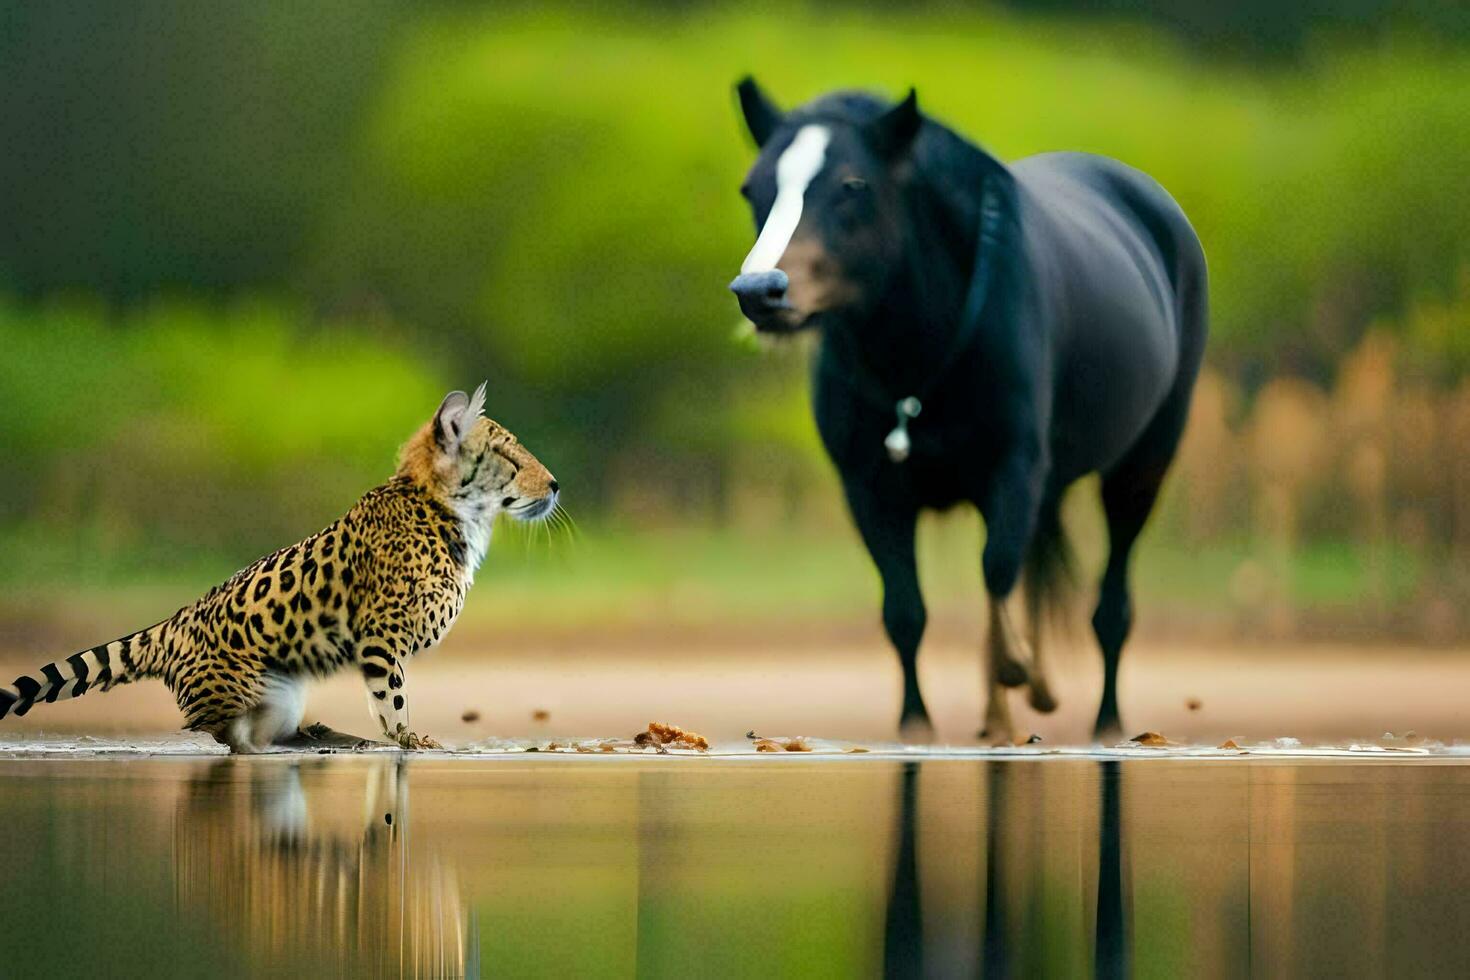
[(854, 748), (541, 715), (596, 745), (660, 736), (1032, 739), (795, 743), (1231, 743), (587, 746), (1193, 704), (1151, 740), (470, 716)]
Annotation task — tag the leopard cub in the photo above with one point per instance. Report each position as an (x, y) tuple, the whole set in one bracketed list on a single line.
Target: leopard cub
[(370, 591)]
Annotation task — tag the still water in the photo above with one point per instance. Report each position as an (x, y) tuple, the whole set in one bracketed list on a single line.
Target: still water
[(372, 866)]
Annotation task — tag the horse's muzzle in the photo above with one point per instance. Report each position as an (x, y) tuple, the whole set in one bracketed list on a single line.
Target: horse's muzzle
[(762, 295)]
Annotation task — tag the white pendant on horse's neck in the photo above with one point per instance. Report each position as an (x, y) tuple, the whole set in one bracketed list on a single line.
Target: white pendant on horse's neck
[(897, 442), (797, 166)]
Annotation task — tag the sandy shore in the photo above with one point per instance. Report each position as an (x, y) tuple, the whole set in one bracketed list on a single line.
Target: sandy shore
[(1189, 692)]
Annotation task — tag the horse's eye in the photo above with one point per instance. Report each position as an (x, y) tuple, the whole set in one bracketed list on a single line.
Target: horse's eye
[(854, 184)]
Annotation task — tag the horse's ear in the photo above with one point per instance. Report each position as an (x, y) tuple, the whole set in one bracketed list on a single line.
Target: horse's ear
[(761, 115), (893, 131)]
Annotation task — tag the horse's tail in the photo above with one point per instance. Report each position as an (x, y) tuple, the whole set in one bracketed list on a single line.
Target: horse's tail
[(126, 659), (1049, 574)]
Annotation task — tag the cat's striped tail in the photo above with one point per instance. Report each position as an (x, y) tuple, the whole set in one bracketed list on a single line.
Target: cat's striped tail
[(119, 662)]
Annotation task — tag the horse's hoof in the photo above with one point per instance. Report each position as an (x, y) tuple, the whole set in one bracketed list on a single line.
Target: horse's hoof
[(1011, 673), (998, 738), (1040, 698), (916, 731)]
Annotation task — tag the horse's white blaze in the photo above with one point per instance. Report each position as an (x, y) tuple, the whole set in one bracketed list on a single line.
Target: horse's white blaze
[(799, 164)]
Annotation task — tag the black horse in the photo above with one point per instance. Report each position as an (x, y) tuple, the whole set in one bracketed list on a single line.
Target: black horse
[(990, 333)]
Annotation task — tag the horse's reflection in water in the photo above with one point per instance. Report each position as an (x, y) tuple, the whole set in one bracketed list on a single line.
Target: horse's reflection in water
[(1009, 934), (310, 865), (1110, 949), (903, 946)]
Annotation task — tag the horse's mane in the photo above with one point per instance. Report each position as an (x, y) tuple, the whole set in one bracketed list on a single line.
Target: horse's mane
[(850, 106)]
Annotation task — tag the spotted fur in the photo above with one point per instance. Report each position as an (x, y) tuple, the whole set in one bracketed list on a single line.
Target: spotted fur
[(371, 590)]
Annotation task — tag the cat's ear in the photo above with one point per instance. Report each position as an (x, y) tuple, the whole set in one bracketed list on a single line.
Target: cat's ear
[(453, 419), (457, 413)]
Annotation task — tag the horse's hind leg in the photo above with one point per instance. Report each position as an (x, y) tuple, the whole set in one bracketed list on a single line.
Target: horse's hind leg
[(1043, 565), (1128, 494), (1039, 695), (1130, 488), (1127, 504), (998, 729)]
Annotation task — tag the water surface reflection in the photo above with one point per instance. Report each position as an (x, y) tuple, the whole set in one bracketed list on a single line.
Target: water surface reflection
[(305, 864), (657, 867)]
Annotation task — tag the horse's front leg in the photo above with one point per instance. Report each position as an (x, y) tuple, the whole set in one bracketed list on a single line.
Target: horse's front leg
[(1010, 507), (887, 528)]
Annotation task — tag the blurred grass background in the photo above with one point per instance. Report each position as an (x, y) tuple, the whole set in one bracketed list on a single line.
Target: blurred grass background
[(244, 249)]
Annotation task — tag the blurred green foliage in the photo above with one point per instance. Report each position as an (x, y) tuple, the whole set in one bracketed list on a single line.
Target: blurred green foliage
[(551, 194), (248, 247), (1251, 30), (181, 424)]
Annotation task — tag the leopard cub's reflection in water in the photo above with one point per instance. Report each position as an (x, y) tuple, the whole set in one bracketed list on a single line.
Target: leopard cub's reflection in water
[(312, 864)]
